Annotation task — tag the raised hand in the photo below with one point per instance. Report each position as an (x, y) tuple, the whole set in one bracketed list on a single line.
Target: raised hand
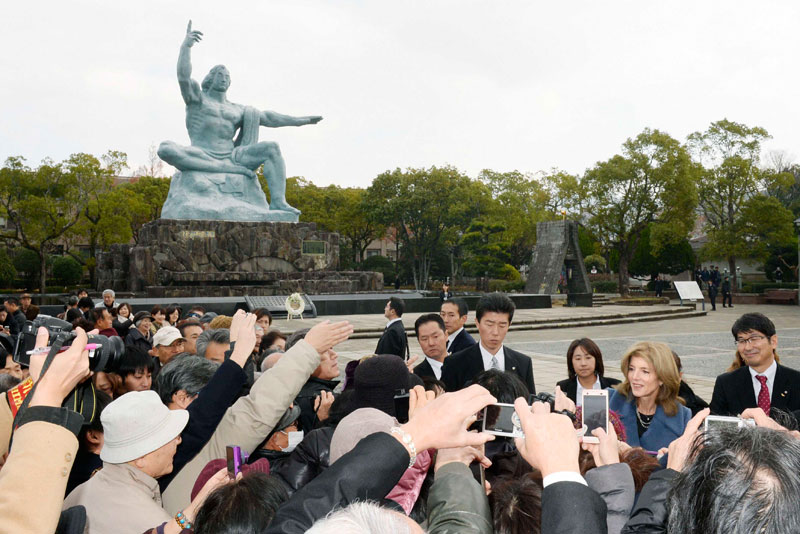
[(246, 339), (680, 448), (327, 335), (236, 324), (192, 37), (550, 443), (442, 423), (314, 119)]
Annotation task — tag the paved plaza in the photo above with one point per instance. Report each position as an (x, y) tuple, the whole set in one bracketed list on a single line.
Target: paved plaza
[(704, 343)]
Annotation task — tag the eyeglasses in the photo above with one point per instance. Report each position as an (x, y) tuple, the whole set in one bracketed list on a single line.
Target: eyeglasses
[(748, 341)]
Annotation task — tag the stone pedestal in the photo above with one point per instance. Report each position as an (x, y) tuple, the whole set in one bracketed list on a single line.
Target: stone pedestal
[(189, 258)]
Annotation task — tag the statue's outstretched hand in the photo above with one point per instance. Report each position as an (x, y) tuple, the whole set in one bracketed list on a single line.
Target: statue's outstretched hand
[(192, 37), (314, 119)]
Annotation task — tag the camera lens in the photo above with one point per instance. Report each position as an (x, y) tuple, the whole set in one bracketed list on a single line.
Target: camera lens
[(108, 355)]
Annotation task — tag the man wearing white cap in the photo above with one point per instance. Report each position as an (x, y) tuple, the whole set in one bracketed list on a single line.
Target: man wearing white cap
[(167, 343), (140, 438)]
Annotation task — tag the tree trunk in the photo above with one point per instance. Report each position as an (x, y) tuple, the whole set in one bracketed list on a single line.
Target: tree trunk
[(623, 273), (733, 275), (43, 272)]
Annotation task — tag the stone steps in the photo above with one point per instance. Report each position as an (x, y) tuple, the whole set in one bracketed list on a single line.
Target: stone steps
[(547, 324)]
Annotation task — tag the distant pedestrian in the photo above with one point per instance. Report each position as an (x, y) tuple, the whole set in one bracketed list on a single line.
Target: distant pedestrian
[(659, 286), (445, 293), (716, 278), (726, 292), (712, 296), (778, 275)]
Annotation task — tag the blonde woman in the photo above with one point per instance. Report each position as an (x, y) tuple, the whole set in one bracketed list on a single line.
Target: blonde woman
[(647, 401)]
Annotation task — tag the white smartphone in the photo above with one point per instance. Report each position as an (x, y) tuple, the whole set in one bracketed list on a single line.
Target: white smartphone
[(594, 413), (721, 421), (502, 420)]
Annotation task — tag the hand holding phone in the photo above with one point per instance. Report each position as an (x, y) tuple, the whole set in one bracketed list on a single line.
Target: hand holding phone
[(236, 459), (594, 413)]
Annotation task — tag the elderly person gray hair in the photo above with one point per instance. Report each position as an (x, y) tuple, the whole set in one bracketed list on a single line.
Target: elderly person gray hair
[(213, 344), (108, 300), (181, 380), (140, 438)]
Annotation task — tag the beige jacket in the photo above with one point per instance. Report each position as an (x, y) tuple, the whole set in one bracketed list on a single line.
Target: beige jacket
[(119, 498), (249, 420), (34, 478)]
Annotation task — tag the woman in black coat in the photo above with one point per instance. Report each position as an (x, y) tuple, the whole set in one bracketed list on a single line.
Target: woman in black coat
[(584, 368)]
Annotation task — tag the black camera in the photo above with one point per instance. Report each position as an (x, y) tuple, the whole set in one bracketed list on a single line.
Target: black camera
[(105, 357)]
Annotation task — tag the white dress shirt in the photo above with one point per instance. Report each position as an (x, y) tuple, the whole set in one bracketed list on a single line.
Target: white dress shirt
[(436, 366), (770, 374), (579, 391), (487, 358), (452, 336), (393, 321)]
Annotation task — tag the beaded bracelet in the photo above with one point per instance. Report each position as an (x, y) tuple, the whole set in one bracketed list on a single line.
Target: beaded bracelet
[(183, 522), (408, 442)]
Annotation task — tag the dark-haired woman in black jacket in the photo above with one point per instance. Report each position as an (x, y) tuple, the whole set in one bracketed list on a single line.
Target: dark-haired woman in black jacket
[(585, 370)]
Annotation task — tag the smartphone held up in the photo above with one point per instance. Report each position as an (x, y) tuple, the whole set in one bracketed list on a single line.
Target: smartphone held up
[(594, 413)]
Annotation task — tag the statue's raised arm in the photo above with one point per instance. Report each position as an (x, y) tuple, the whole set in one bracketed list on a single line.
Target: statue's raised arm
[(190, 89)]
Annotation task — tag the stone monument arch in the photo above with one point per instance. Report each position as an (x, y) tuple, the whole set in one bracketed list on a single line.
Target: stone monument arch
[(557, 252)]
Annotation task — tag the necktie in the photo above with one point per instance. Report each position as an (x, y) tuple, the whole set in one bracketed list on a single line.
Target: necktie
[(447, 346), (763, 395), (496, 364)]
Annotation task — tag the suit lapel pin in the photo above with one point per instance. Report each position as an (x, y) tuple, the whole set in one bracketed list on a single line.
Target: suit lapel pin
[(513, 368), (784, 393)]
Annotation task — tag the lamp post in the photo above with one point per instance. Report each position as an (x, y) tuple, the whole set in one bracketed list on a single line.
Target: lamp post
[(797, 229)]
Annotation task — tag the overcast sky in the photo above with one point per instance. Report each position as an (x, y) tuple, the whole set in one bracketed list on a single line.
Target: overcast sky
[(500, 84)]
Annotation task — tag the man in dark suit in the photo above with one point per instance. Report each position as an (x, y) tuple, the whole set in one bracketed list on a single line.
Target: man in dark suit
[(493, 316), (432, 339), (762, 382), (394, 339), (454, 313)]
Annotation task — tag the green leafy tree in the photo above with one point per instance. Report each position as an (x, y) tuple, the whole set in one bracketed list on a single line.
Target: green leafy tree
[(141, 201), (67, 270), (7, 270), (104, 218), (788, 189), (731, 179), (653, 183), (672, 258), (42, 204), (487, 252), (519, 203), (423, 204)]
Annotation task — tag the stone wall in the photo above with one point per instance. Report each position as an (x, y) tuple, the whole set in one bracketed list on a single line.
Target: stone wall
[(226, 258)]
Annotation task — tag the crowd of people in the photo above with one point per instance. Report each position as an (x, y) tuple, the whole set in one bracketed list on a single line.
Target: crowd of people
[(394, 446)]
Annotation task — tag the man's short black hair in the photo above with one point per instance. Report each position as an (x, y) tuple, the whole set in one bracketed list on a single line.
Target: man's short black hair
[(428, 318), (97, 313), (504, 386), (135, 359), (86, 302), (497, 303), (461, 304), (12, 300), (398, 305), (757, 322), (186, 323)]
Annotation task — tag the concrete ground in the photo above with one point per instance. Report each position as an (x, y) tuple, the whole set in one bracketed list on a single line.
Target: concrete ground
[(704, 343)]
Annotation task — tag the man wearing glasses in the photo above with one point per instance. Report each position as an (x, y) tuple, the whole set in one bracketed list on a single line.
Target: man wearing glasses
[(762, 382)]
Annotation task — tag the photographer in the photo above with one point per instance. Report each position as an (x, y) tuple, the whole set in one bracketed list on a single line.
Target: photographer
[(34, 476)]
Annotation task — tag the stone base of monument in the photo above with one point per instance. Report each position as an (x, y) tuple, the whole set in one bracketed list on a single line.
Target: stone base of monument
[(195, 195), (190, 258)]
